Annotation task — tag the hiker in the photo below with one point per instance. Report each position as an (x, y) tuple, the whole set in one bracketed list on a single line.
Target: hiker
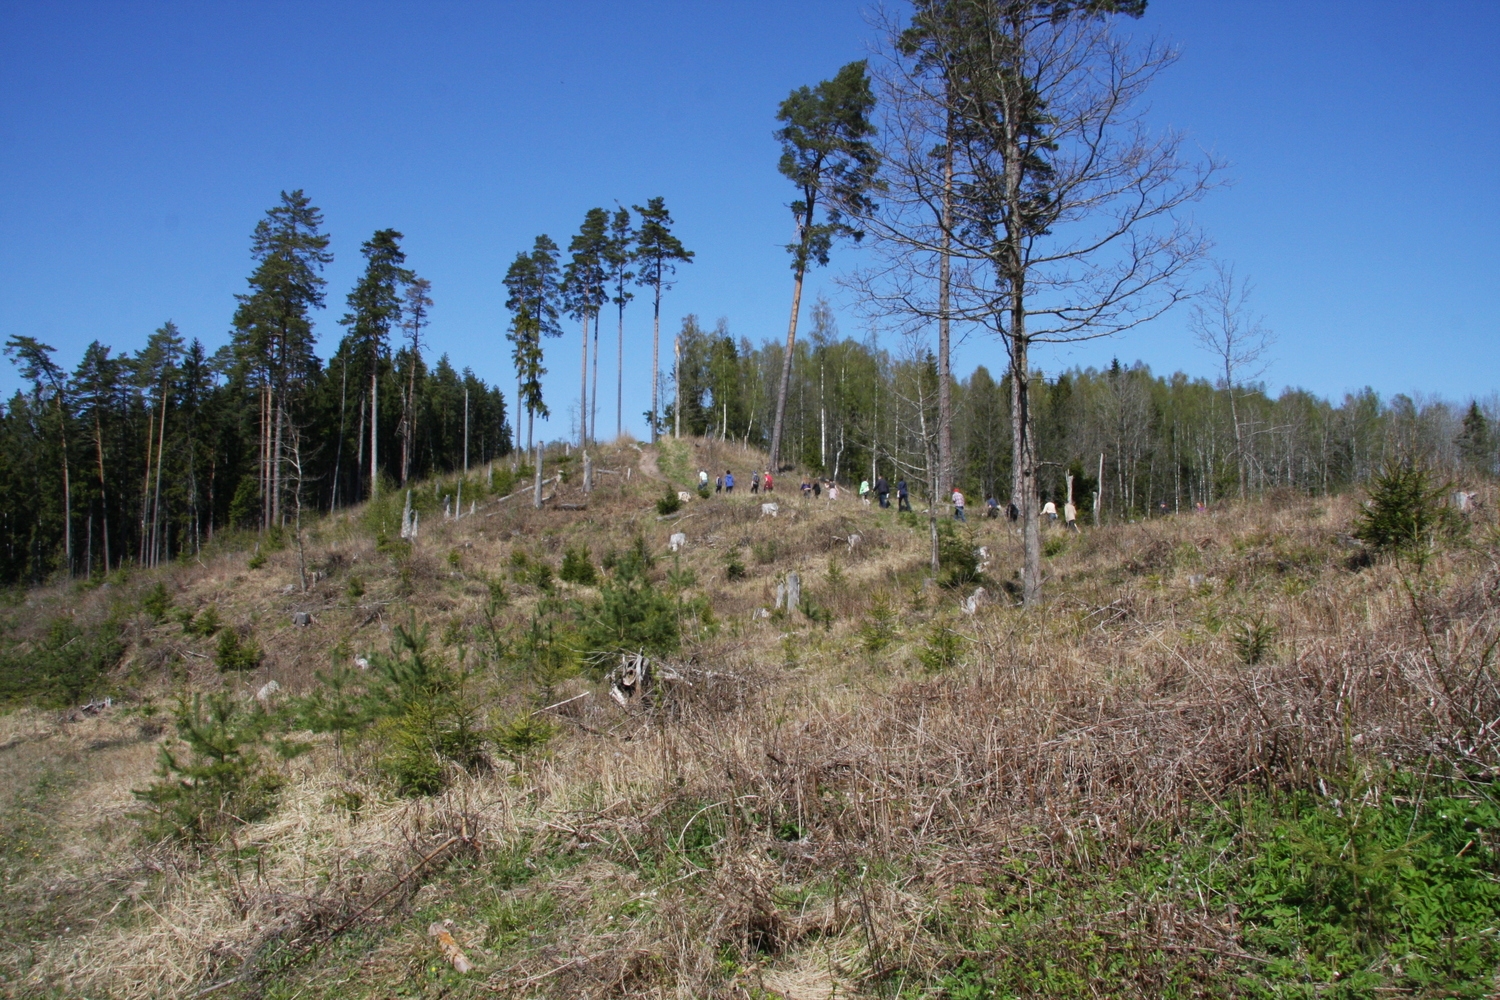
[(958, 506), (903, 499), (769, 486), (728, 481), (991, 508), (1013, 512), (718, 484), (833, 490), (864, 490), (883, 491), (754, 484), (1049, 510), (806, 488), (1070, 518), (703, 479), (817, 488)]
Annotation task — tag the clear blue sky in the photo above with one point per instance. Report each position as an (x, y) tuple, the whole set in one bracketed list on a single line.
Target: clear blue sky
[(140, 143)]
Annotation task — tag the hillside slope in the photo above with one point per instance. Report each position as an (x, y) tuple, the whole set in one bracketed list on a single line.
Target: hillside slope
[(1233, 754)]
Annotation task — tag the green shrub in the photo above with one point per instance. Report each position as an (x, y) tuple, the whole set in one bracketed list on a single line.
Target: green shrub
[(958, 566), (221, 781), (1253, 640), (631, 615), (879, 628), (157, 602), (235, 652), (523, 736), (576, 567), (765, 552), (257, 560), (355, 588), (943, 646), (204, 624), (69, 664), (1404, 512), (668, 503), (734, 569)]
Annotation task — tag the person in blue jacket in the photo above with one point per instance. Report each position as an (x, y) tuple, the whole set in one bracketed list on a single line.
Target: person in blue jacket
[(728, 481)]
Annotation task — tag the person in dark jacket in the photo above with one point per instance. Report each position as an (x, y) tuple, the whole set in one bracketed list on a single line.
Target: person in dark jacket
[(903, 499), (883, 491)]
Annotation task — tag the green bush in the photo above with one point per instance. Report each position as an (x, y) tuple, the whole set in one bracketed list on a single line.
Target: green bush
[(734, 568), (425, 718), (1404, 512), (1253, 640), (944, 644), (576, 567), (204, 624), (631, 615), (237, 653), (669, 503), (66, 666), (223, 779), (958, 566), (880, 625), (157, 602)]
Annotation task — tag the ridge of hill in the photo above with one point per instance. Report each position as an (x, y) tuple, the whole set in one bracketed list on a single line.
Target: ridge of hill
[(1235, 753)]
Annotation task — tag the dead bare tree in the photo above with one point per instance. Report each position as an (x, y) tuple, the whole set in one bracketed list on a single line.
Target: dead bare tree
[(1223, 325), (1059, 218)]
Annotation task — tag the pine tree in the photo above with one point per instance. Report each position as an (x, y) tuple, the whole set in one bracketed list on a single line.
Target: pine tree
[(584, 294), (273, 331), (657, 253), (34, 359), (617, 259), (375, 307), (827, 155), (532, 283)]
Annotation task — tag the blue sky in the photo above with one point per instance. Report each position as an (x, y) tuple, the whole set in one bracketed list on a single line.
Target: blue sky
[(140, 143)]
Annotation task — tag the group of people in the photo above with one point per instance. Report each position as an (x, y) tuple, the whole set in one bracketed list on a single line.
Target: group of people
[(725, 483), (813, 488)]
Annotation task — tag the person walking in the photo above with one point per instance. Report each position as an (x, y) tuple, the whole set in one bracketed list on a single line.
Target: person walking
[(864, 490), (728, 481), (1049, 511), (991, 508), (718, 484), (769, 485), (754, 484), (958, 506), (1070, 517), (817, 489), (703, 479), (903, 499), (883, 492)]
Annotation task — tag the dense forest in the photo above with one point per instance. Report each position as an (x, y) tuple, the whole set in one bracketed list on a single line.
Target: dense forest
[(140, 458), (855, 411)]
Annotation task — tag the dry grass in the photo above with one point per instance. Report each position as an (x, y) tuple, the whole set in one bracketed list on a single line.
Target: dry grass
[(798, 816)]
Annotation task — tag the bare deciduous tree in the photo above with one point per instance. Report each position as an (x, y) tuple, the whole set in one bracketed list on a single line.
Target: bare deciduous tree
[(1065, 220), (1223, 325)]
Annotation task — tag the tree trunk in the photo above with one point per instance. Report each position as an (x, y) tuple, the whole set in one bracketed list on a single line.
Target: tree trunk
[(103, 497), (786, 370), (62, 429), (161, 445), (944, 364), (677, 386), (594, 388), (374, 430), (655, 356), (620, 377), (276, 451), (583, 390)]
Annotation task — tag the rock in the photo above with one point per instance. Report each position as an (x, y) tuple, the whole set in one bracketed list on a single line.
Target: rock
[(982, 557), (769, 510), (288, 588), (677, 542), (362, 663), (975, 601), (854, 540), (1195, 580), (267, 692), (684, 496), (301, 618)]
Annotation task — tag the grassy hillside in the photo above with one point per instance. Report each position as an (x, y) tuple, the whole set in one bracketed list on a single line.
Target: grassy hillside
[(1235, 754)]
